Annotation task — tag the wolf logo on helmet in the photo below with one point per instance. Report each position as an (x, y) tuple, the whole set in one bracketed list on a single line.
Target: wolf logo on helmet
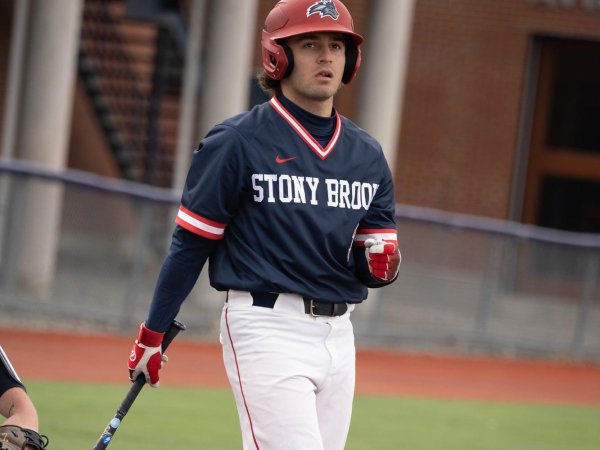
[(326, 8)]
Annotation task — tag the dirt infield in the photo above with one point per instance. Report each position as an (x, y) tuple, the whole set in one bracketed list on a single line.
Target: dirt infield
[(99, 358)]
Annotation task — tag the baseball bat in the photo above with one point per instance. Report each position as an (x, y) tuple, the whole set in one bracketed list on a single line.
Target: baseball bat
[(134, 390)]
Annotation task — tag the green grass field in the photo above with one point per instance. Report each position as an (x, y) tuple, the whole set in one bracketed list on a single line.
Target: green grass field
[(74, 415)]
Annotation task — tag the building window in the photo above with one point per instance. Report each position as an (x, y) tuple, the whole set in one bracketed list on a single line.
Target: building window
[(575, 96), (563, 173)]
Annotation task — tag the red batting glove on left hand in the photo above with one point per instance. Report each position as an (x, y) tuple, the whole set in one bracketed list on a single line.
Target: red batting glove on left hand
[(146, 356), (383, 259)]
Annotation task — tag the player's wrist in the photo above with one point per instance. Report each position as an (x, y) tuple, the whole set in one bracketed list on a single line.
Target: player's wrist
[(148, 337)]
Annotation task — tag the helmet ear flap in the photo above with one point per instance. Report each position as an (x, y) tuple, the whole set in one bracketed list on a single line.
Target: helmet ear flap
[(275, 59)]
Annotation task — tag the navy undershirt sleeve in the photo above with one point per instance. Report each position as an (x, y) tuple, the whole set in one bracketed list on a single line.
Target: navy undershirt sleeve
[(8, 377), (7, 383), (178, 275)]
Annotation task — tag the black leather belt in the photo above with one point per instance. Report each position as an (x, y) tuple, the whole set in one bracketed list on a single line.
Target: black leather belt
[(312, 307)]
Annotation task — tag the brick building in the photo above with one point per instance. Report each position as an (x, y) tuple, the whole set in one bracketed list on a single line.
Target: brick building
[(502, 108), (499, 112)]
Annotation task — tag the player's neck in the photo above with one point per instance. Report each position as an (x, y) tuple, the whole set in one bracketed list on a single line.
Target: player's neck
[(323, 108)]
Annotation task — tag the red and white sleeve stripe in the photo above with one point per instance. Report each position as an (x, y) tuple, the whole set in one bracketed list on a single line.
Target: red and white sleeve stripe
[(200, 225), (380, 234)]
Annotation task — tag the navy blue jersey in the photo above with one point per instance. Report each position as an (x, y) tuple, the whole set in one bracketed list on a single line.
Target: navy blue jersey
[(286, 210)]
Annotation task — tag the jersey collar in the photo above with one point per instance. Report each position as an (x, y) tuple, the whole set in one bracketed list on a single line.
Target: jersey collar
[(322, 152)]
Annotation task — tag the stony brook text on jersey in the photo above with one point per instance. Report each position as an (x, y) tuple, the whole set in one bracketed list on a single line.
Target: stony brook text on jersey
[(298, 189)]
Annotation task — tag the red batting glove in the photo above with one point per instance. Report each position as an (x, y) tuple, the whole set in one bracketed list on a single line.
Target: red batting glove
[(146, 356), (383, 259)]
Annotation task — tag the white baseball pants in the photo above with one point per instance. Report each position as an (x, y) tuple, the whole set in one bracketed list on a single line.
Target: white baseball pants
[(292, 374)]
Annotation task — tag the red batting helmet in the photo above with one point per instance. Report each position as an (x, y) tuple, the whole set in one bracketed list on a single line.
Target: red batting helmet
[(294, 17)]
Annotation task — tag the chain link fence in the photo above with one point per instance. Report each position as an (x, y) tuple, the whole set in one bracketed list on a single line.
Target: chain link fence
[(466, 284)]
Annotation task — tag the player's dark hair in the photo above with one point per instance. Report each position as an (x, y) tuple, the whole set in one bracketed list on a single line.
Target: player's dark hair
[(267, 84)]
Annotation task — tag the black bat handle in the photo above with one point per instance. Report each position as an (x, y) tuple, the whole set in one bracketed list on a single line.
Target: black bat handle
[(135, 389)]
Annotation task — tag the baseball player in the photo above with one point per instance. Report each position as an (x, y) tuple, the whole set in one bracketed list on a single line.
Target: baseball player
[(293, 206), (19, 430)]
